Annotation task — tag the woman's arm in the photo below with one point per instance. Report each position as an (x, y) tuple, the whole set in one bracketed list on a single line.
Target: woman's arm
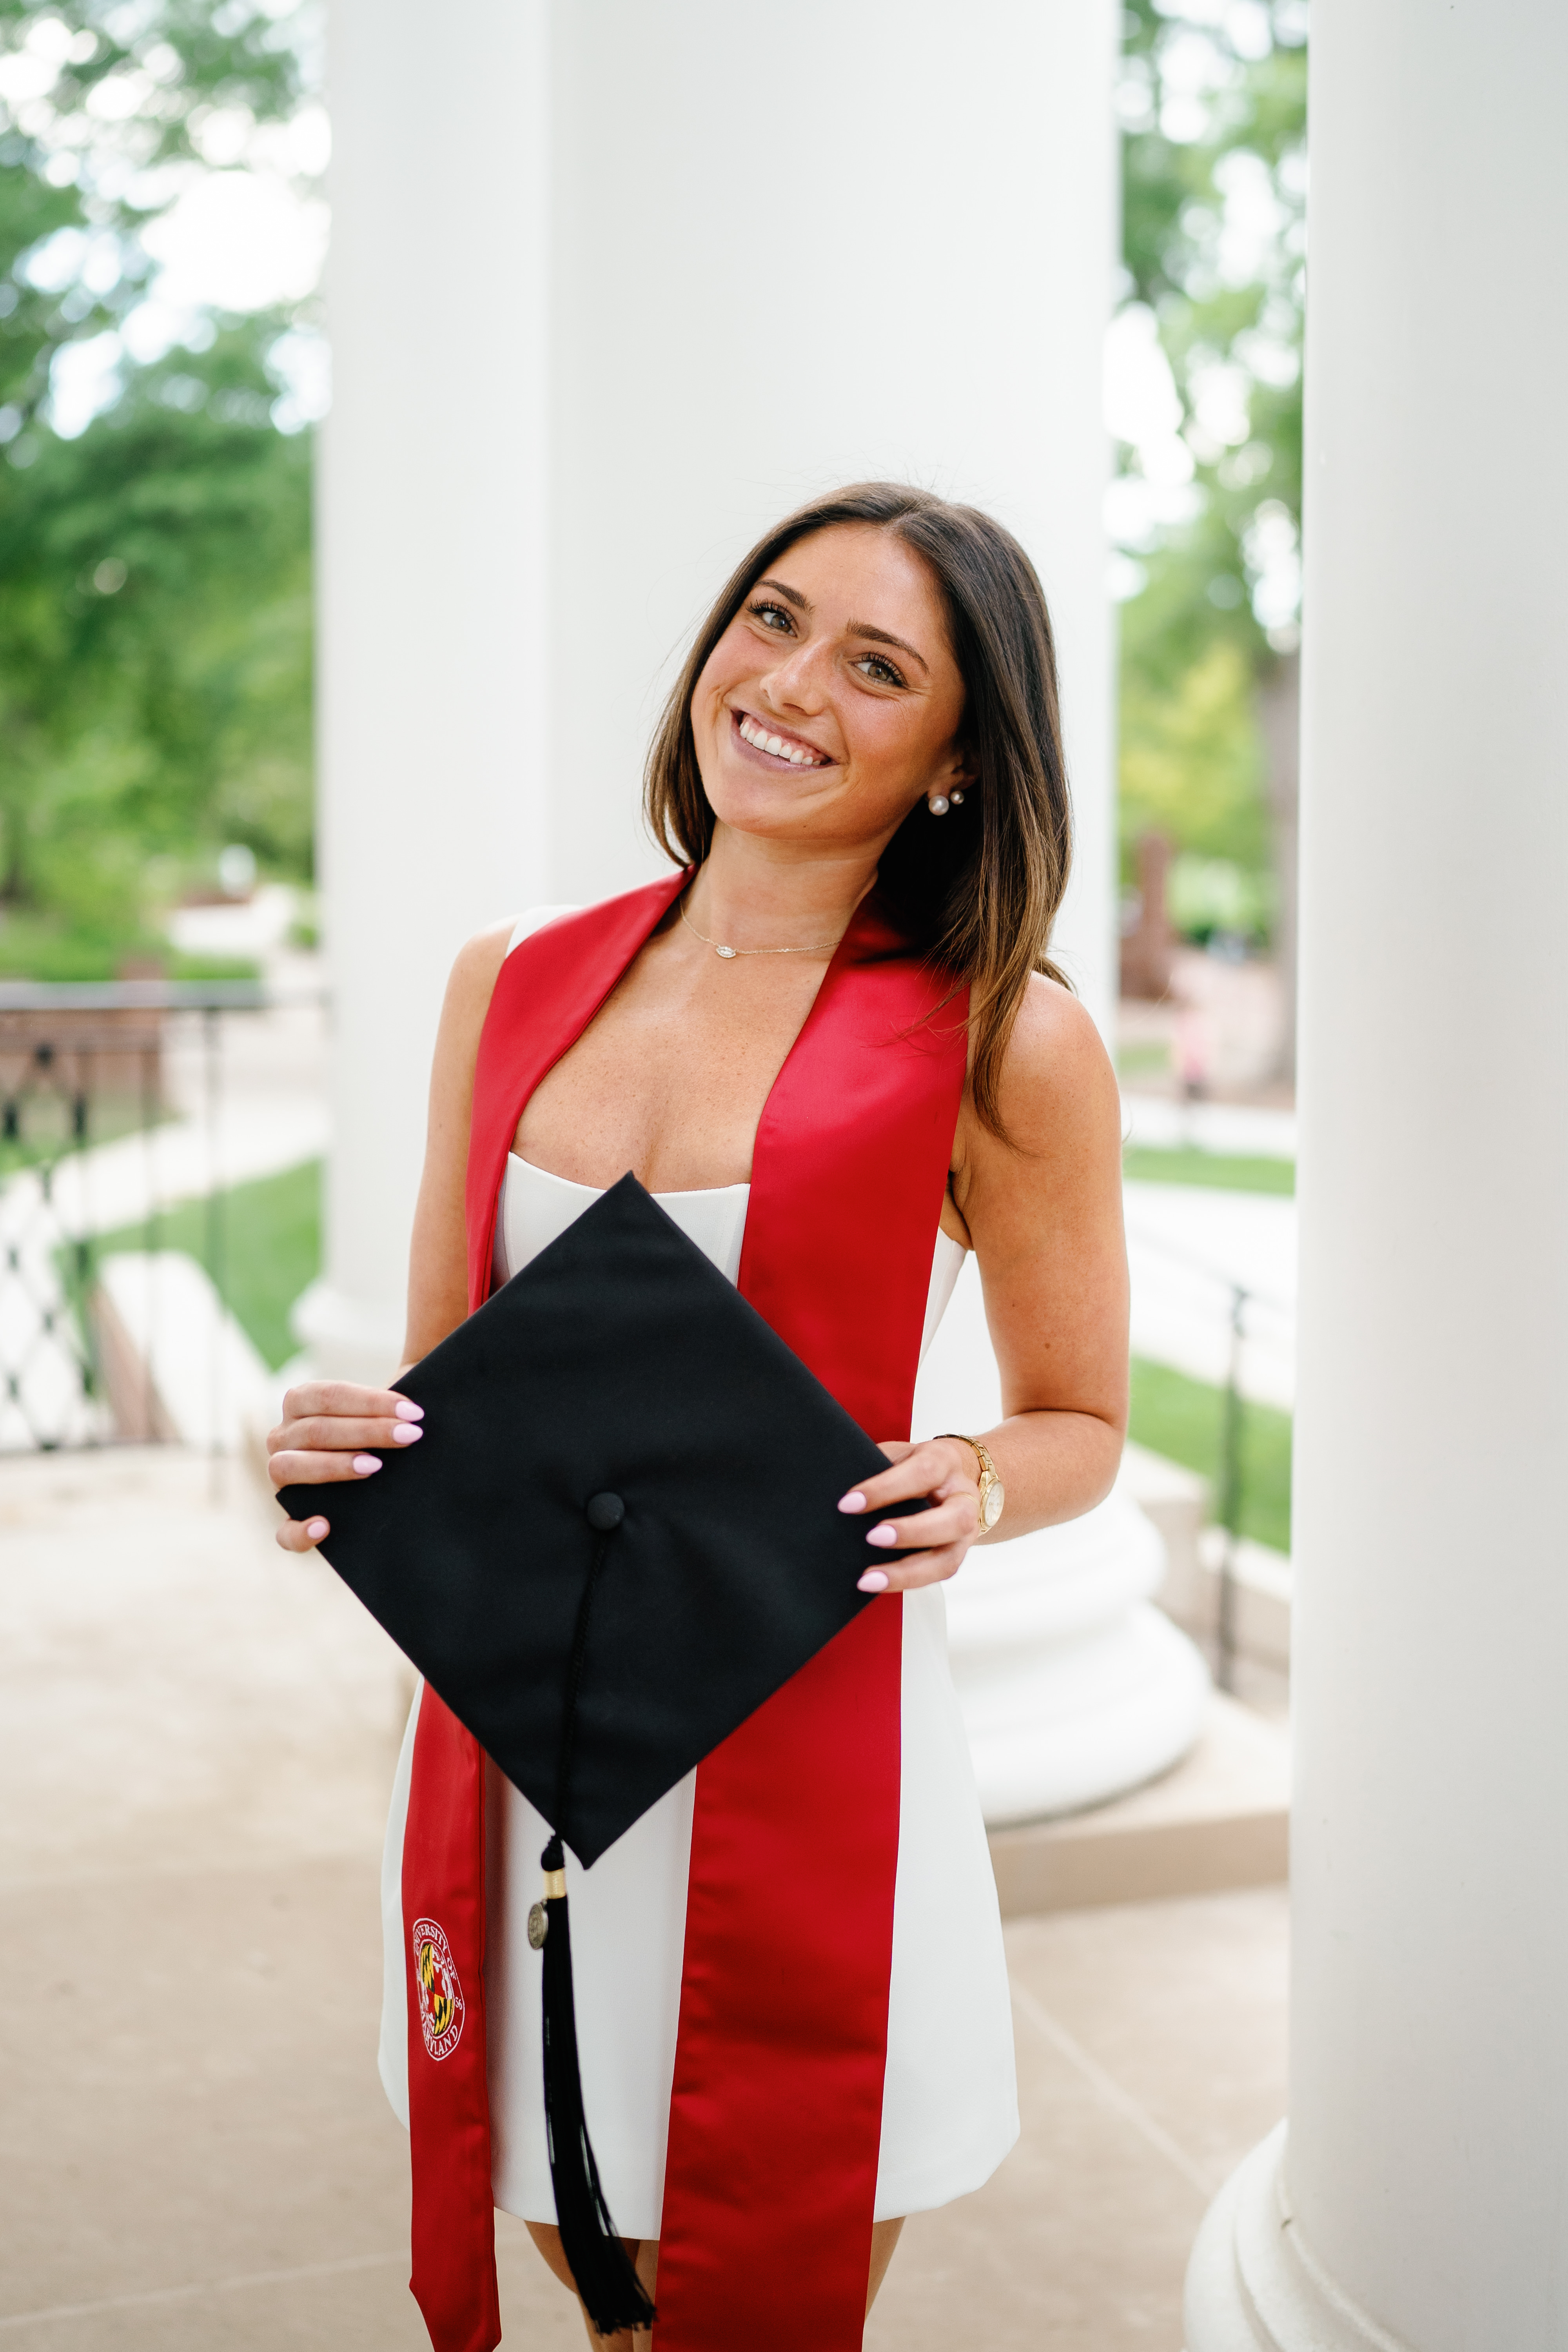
[(328, 1424), (1043, 1214), (439, 1254)]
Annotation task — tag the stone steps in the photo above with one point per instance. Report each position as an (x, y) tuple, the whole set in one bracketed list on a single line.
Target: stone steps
[(1219, 1820)]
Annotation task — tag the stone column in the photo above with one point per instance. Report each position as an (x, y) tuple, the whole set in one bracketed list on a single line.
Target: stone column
[(609, 288), (433, 582), (1418, 2200)]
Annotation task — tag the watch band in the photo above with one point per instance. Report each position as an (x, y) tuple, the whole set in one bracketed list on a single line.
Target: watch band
[(990, 1478)]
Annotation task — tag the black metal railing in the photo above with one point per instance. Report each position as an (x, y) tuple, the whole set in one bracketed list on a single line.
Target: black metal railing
[(1251, 1323), (84, 1067)]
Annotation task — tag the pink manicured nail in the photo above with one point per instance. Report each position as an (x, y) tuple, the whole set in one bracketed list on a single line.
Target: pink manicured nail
[(872, 1582), (315, 1529), (885, 1534), (365, 1463), (405, 1432), (406, 1409), (856, 1502)]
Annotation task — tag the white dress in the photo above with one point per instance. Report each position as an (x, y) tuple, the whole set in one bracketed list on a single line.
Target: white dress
[(950, 2110)]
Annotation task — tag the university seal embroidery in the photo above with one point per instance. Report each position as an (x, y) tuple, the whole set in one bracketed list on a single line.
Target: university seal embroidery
[(440, 1993)]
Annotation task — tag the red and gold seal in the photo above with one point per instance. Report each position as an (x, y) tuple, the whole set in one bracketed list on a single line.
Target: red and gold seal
[(440, 1992)]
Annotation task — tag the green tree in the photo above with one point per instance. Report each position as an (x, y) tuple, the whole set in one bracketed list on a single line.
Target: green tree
[(1213, 102), (154, 569)]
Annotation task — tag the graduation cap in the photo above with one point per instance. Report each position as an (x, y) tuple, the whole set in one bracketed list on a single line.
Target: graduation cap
[(616, 1539)]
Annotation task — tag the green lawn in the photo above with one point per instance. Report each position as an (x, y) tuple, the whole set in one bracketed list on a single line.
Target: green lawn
[(1181, 1418), (1187, 1165), (272, 1250)]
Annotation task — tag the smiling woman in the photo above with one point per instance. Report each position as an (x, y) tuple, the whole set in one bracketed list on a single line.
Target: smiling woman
[(981, 896), (833, 1046)]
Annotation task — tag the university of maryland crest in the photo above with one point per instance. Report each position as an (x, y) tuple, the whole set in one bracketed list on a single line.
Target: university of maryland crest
[(440, 1993)]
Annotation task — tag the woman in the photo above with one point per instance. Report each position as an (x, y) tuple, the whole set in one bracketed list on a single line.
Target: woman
[(833, 1046)]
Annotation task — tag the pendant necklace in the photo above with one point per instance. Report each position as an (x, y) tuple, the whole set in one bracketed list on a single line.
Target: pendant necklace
[(822, 948)]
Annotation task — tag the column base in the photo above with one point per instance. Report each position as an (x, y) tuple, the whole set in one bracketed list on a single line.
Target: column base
[(1254, 2286), (1074, 1689)]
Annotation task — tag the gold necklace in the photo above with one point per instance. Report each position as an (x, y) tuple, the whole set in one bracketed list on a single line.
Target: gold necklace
[(822, 948)]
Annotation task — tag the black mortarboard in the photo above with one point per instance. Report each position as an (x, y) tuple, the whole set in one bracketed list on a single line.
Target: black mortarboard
[(618, 1538)]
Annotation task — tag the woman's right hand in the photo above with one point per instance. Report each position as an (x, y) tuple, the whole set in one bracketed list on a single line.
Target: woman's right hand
[(324, 1437)]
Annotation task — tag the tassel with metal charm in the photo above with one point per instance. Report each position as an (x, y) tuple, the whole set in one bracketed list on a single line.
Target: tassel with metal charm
[(607, 2282), (601, 2269)]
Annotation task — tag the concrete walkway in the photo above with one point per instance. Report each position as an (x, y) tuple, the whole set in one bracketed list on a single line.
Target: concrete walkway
[(196, 1737)]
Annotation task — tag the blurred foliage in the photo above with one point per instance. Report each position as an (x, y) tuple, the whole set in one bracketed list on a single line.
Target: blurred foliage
[(1213, 103), (1215, 899), (154, 641), (1191, 764), (155, 630)]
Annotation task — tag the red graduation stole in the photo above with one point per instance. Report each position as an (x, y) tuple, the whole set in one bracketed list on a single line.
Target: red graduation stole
[(776, 2112)]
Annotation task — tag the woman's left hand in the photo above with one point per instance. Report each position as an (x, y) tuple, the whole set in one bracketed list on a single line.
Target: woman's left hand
[(946, 1473)]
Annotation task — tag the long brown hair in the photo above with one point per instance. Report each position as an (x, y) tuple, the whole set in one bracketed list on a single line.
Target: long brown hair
[(979, 889)]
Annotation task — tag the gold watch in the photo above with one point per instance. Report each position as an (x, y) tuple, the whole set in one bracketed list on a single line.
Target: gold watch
[(992, 1494)]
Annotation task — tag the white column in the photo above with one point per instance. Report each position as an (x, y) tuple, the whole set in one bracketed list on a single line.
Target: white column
[(610, 288), (797, 249), (433, 581), (1418, 2200)]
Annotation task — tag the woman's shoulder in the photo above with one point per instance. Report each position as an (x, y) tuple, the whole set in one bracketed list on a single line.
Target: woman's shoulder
[(476, 969), (1057, 1078), (1052, 1023), (479, 961)]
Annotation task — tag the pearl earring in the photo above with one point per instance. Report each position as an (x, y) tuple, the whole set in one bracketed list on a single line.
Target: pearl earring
[(956, 797), (938, 804)]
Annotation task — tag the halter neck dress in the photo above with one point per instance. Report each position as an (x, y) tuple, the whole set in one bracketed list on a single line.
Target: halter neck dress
[(949, 2101)]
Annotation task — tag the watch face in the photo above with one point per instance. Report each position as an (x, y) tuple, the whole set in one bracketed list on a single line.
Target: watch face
[(991, 1508)]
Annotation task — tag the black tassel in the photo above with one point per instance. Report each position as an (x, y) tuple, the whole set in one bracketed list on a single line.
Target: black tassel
[(601, 2269), (611, 2290)]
